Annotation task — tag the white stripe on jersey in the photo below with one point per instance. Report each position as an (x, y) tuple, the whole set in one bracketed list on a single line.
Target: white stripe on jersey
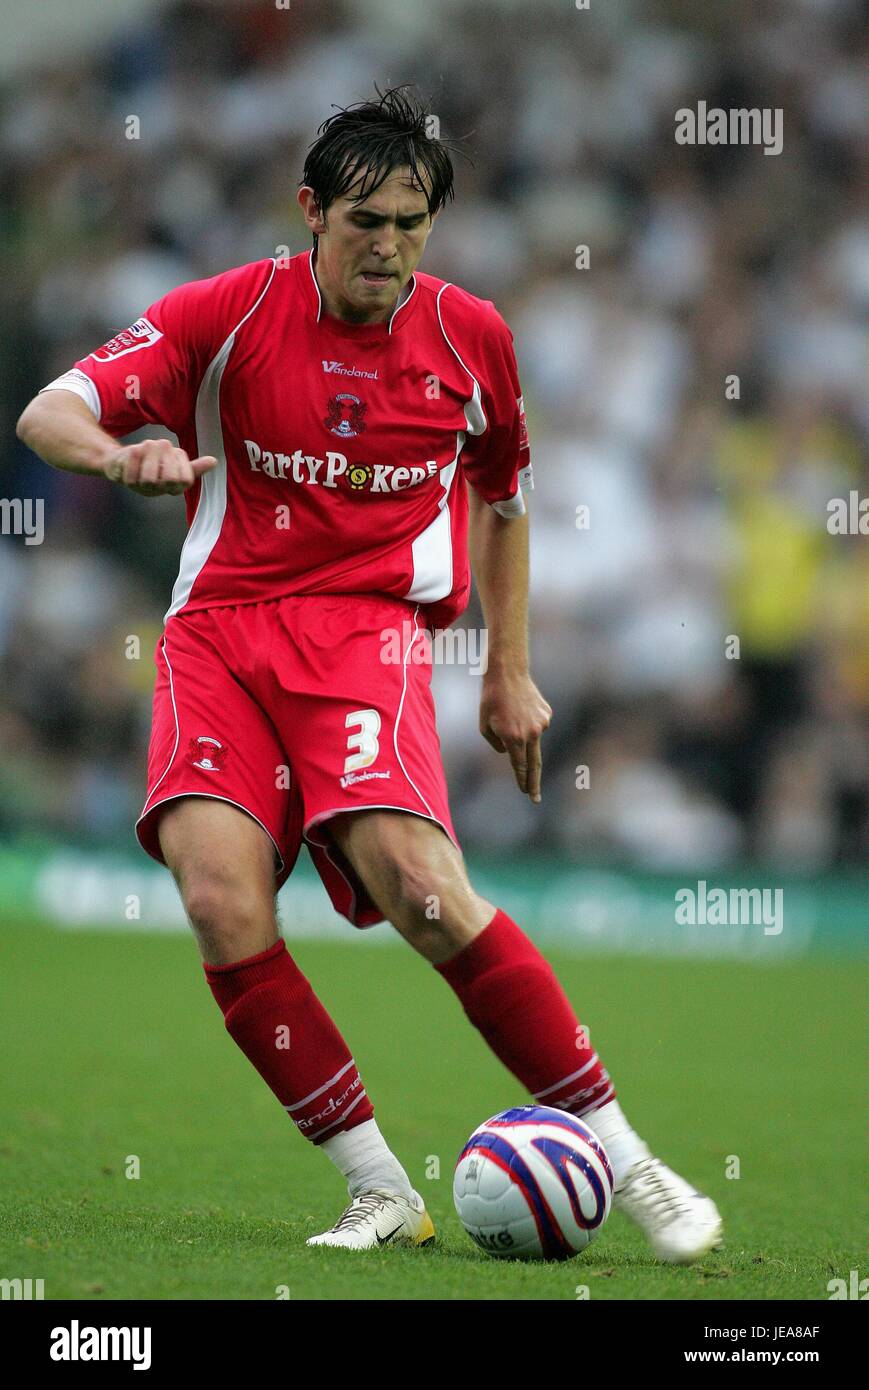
[(477, 422), (475, 416), (205, 527), (432, 549)]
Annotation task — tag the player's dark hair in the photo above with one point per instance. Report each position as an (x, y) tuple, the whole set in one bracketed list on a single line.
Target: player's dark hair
[(373, 138)]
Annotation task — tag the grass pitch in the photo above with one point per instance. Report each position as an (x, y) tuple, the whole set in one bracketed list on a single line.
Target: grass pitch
[(113, 1048)]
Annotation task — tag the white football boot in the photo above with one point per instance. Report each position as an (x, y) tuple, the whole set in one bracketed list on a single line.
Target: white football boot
[(379, 1218), (677, 1220)]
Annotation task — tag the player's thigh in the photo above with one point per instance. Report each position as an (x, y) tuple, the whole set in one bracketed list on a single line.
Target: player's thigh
[(223, 862), (354, 709), (220, 811)]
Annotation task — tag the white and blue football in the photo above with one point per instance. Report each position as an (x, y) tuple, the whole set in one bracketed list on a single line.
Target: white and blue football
[(533, 1183)]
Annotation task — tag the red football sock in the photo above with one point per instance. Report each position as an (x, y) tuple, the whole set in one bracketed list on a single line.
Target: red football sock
[(280, 1025), (511, 994)]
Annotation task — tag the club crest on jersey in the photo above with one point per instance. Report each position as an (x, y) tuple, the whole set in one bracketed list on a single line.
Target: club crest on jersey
[(345, 415), (140, 334), (207, 753)]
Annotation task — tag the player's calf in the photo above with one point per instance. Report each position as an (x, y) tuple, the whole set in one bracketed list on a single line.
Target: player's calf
[(223, 862)]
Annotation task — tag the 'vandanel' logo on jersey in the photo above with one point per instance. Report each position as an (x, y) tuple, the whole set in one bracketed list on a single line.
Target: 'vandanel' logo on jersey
[(140, 334), (345, 415), (336, 471), (340, 370)]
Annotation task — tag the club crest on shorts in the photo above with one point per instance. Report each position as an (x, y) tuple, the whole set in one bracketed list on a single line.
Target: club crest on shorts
[(207, 753), (345, 415)]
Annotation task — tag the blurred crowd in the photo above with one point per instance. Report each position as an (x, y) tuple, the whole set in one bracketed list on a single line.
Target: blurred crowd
[(696, 393)]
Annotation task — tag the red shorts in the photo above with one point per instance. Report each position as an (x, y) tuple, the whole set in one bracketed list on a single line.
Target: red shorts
[(297, 710)]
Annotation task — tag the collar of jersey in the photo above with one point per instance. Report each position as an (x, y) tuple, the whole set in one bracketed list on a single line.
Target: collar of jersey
[(370, 332)]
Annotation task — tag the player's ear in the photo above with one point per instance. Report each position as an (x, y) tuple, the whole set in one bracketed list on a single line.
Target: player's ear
[(306, 198)]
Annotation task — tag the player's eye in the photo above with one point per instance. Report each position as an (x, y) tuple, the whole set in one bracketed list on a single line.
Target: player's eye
[(404, 224)]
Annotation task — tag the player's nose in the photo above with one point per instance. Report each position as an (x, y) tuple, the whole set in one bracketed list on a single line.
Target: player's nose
[(385, 249)]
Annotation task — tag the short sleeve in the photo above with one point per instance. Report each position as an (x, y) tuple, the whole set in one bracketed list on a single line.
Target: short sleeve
[(498, 462), (147, 373), (150, 373)]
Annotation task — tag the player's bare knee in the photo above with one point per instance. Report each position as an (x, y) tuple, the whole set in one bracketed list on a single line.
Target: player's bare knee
[(226, 910)]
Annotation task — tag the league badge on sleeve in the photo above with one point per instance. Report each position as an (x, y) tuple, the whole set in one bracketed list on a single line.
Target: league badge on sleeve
[(140, 334), (523, 425)]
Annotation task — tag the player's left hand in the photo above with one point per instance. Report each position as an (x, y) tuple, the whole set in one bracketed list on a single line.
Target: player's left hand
[(513, 715)]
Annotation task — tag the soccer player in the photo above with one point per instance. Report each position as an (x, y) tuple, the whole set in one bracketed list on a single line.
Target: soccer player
[(351, 441)]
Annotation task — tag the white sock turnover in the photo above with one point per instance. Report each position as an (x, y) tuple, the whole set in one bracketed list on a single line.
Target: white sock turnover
[(623, 1145), (369, 1165)]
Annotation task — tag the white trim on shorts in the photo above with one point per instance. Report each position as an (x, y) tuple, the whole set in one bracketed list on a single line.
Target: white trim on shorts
[(176, 796), (206, 796)]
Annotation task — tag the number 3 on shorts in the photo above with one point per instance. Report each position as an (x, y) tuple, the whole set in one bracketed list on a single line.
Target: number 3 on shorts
[(364, 740)]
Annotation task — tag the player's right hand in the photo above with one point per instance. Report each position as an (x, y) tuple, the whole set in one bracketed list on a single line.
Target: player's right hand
[(156, 466)]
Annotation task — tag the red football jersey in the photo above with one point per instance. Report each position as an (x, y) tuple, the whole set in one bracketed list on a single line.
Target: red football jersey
[(343, 450)]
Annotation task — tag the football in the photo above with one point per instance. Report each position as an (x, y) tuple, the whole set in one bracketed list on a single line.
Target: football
[(533, 1183)]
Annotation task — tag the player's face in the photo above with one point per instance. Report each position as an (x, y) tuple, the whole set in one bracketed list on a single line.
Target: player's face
[(367, 251)]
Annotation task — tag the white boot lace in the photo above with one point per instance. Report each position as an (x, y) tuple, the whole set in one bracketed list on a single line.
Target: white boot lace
[(664, 1200), (359, 1210)]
